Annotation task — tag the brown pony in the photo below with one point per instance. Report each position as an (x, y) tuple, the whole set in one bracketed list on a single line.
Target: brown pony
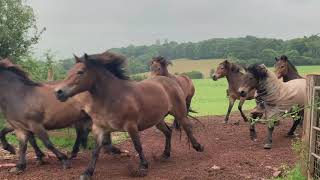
[(82, 131), (234, 77), (31, 108), (123, 105), (285, 69), (159, 67)]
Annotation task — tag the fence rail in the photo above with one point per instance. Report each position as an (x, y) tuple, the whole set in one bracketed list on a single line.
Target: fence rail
[(311, 126)]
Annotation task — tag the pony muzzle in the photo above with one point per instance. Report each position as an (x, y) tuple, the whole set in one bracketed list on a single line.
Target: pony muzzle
[(61, 95), (243, 93), (214, 77)]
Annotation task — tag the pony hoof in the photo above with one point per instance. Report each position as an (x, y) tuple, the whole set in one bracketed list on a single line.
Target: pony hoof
[(11, 149), (141, 172), (236, 123), (165, 156), (199, 148), (267, 146), (73, 155), (289, 135), (66, 164), (85, 177), (41, 162), (16, 170)]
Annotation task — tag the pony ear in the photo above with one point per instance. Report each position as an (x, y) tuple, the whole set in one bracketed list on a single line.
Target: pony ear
[(86, 56), (277, 59), (77, 59), (263, 68)]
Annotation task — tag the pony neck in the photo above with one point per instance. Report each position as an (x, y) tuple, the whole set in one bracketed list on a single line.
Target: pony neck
[(165, 72), (269, 88), (106, 85), (292, 74), (13, 89), (233, 79)]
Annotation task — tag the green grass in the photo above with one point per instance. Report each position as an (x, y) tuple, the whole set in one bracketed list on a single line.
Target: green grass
[(293, 174)]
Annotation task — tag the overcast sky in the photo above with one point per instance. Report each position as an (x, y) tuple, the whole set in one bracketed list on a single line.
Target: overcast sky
[(77, 26)]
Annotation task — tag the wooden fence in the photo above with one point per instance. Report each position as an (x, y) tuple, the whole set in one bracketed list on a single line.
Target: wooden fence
[(311, 127)]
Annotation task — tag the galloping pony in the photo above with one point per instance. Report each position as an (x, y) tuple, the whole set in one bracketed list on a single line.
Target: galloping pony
[(234, 74), (159, 67), (278, 97), (31, 108), (119, 104)]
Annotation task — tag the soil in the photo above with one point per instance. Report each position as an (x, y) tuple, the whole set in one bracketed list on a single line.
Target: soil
[(229, 154)]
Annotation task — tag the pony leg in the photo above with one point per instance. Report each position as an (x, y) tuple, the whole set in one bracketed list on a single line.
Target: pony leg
[(110, 149), (188, 129), (231, 103), (43, 136), (268, 145), (36, 148), (295, 124), (76, 146), (163, 127), (143, 166), (23, 137), (100, 137), (242, 100), (253, 133), (6, 146)]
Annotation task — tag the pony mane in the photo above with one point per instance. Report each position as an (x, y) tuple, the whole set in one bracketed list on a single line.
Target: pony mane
[(7, 65), (112, 62), (162, 60), (257, 71), (233, 66)]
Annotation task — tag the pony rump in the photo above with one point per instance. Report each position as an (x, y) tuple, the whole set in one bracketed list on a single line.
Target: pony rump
[(259, 71), (162, 60), (112, 62), (7, 65)]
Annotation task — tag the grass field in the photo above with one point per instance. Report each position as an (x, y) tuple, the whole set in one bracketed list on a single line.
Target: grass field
[(187, 65)]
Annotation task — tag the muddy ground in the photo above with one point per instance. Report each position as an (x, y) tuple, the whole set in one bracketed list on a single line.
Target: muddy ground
[(229, 154)]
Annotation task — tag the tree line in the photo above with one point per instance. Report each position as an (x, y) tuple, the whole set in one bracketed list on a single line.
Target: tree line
[(249, 49), (19, 32)]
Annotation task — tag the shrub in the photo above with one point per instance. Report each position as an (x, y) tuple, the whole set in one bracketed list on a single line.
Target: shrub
[(139, 77), (193, 74)]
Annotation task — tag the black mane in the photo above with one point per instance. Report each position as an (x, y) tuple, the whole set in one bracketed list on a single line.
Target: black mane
[(112, 62), (6, 65), (162, 60), (257, 71)]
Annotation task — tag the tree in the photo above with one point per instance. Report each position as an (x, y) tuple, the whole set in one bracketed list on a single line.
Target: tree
[(18, 30)]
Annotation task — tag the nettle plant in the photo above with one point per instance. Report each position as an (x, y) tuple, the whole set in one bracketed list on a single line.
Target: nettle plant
[(293, 113)]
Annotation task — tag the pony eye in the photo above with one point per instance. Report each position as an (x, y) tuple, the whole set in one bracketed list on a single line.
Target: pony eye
[(80, 72), (282, 66)]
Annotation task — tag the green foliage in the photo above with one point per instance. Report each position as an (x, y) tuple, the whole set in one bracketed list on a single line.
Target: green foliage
[(245, 50), (18, 30), (139, 77), (292, 174), (38, 70), (193, 74)]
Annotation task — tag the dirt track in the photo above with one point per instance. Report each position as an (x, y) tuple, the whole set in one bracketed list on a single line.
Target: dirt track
[(227, 147)]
